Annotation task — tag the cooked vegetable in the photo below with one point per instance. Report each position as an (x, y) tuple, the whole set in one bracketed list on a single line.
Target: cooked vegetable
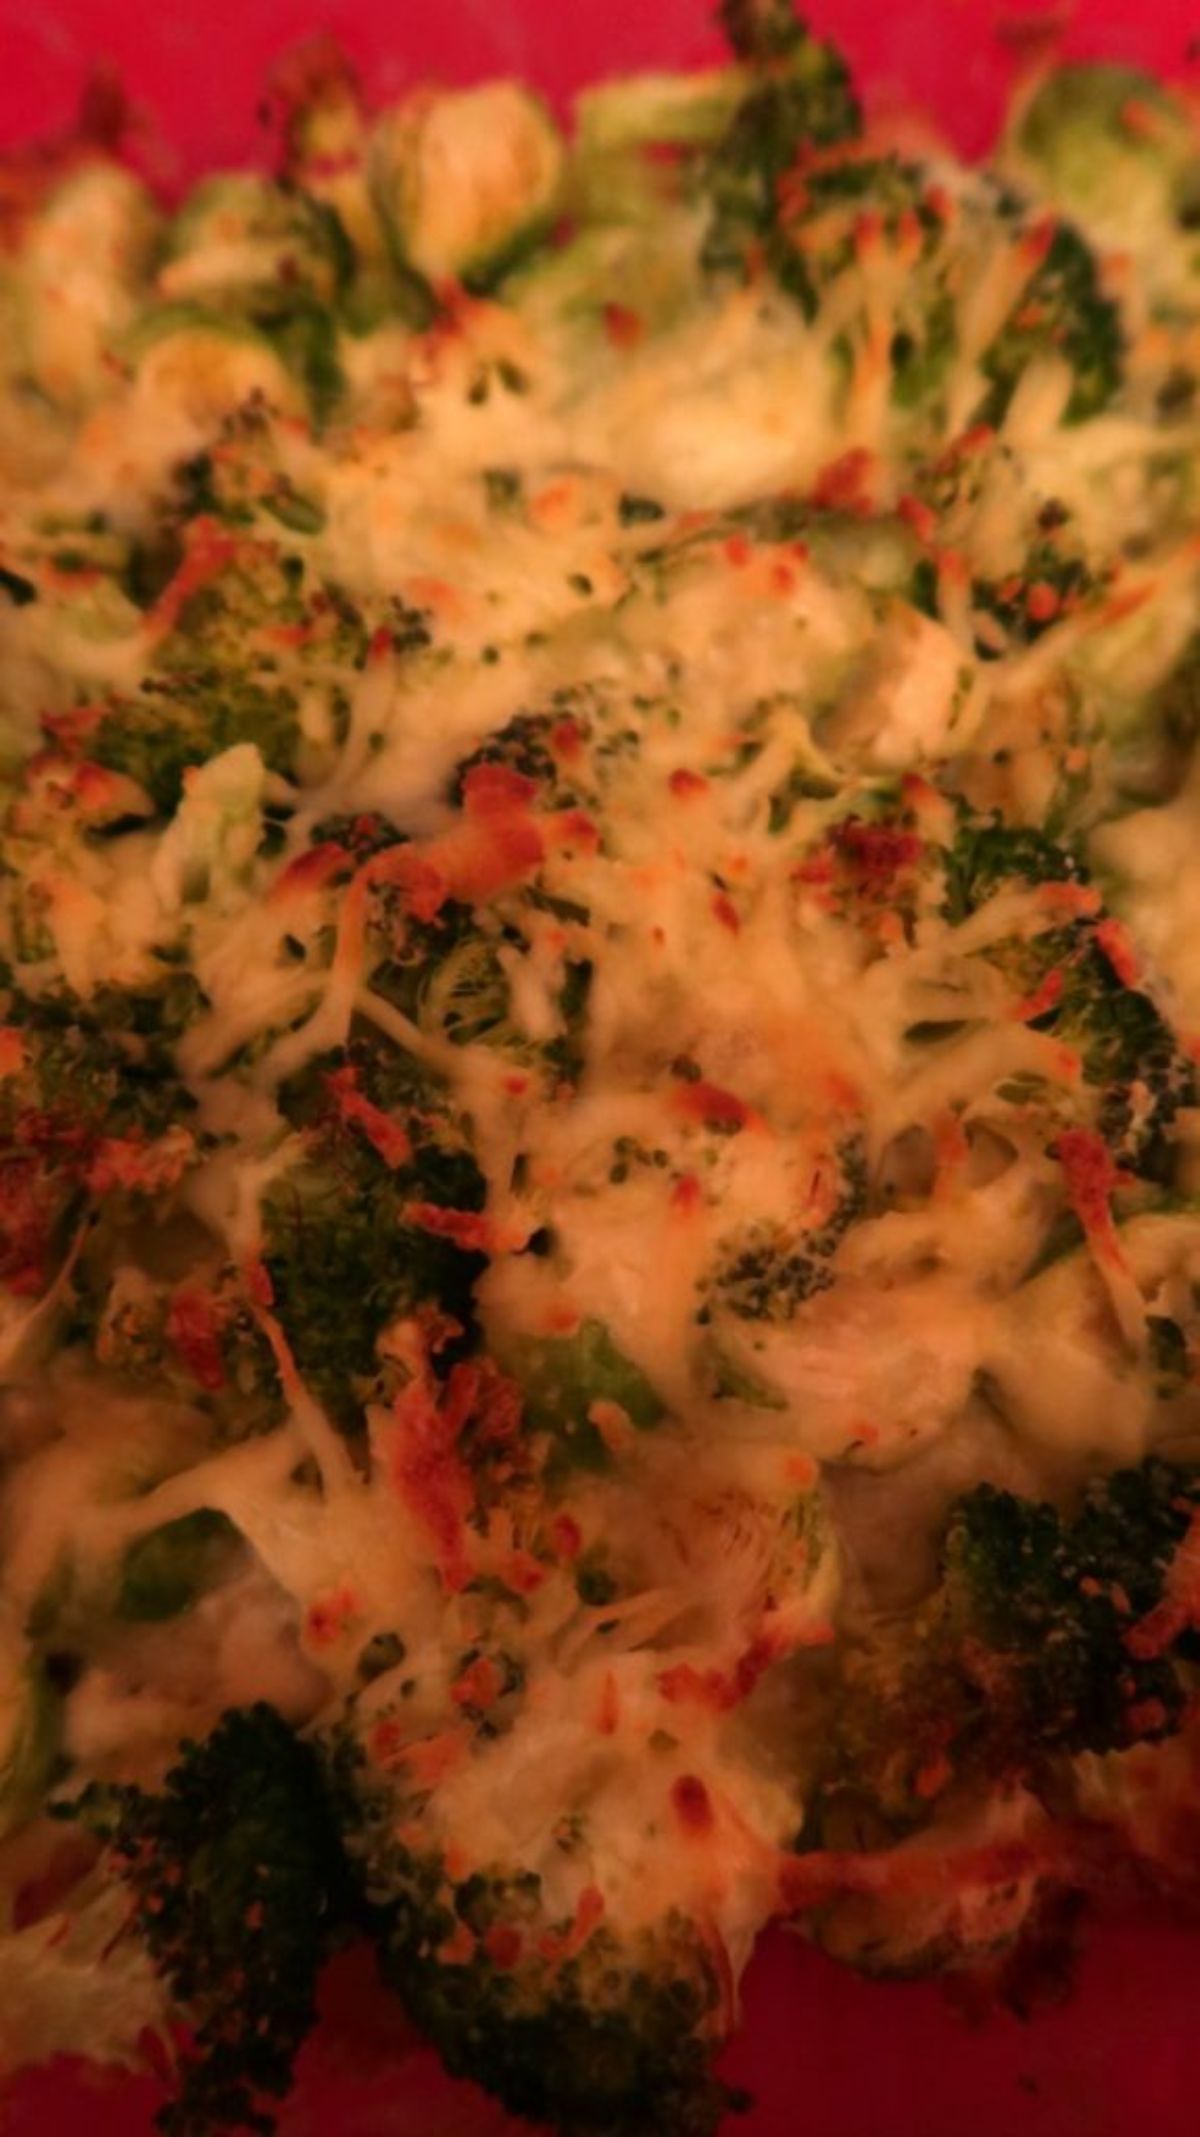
[(599, 1245), (1116, 150), (464, 182), (1034, 1647), (238, 1884), (350, 1239)]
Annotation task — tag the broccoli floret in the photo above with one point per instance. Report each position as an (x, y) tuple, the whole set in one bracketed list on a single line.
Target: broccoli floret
[(92, 1105), (800, 98), (466, 997), (1062, 312), (1046, 567), (240, 236), (1116, 150), (239, 1886), (1078, 988), (818, 221), (318, 106), (1095, 130), (1138, 679), (196, 1341), (230, 589), (1022, 1656), (1131, 1053), (248, 637), (1053, 1602), (608, 2044), (247, 482), (761, 29), (266, 255), (563, 1377), (817, 239), (450, 974), (575, 2023), (361, 836), (107, 1061), (571, 745), (350, 1238), (766, 1273), (1025, 603), (155, 737), (324, 127), (543, 746), (418, 949), (988, 854)]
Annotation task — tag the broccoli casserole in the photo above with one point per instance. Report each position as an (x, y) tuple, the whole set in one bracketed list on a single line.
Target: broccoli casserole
[(599, 1223)]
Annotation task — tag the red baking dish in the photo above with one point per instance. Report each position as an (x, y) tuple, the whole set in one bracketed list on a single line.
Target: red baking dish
[(824, 2053)]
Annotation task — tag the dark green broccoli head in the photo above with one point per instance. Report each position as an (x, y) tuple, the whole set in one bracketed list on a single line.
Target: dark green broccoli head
[(350, 1232), (1050, 569), (416, 951), (90, 1094), (802, 99), (1055, 1601), (571, 2022), (761, 29), (239, 1885), (360, 836), (571, 744), (987, 854), (1075, 980), (156, 736), (1025, 1653), (1051, 583), (1129, 1052), (106, 1061), (466, 997), (244, 633), (613, 2042), (1062, 312), (547, 747), (820, 220), (766, 1272)]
